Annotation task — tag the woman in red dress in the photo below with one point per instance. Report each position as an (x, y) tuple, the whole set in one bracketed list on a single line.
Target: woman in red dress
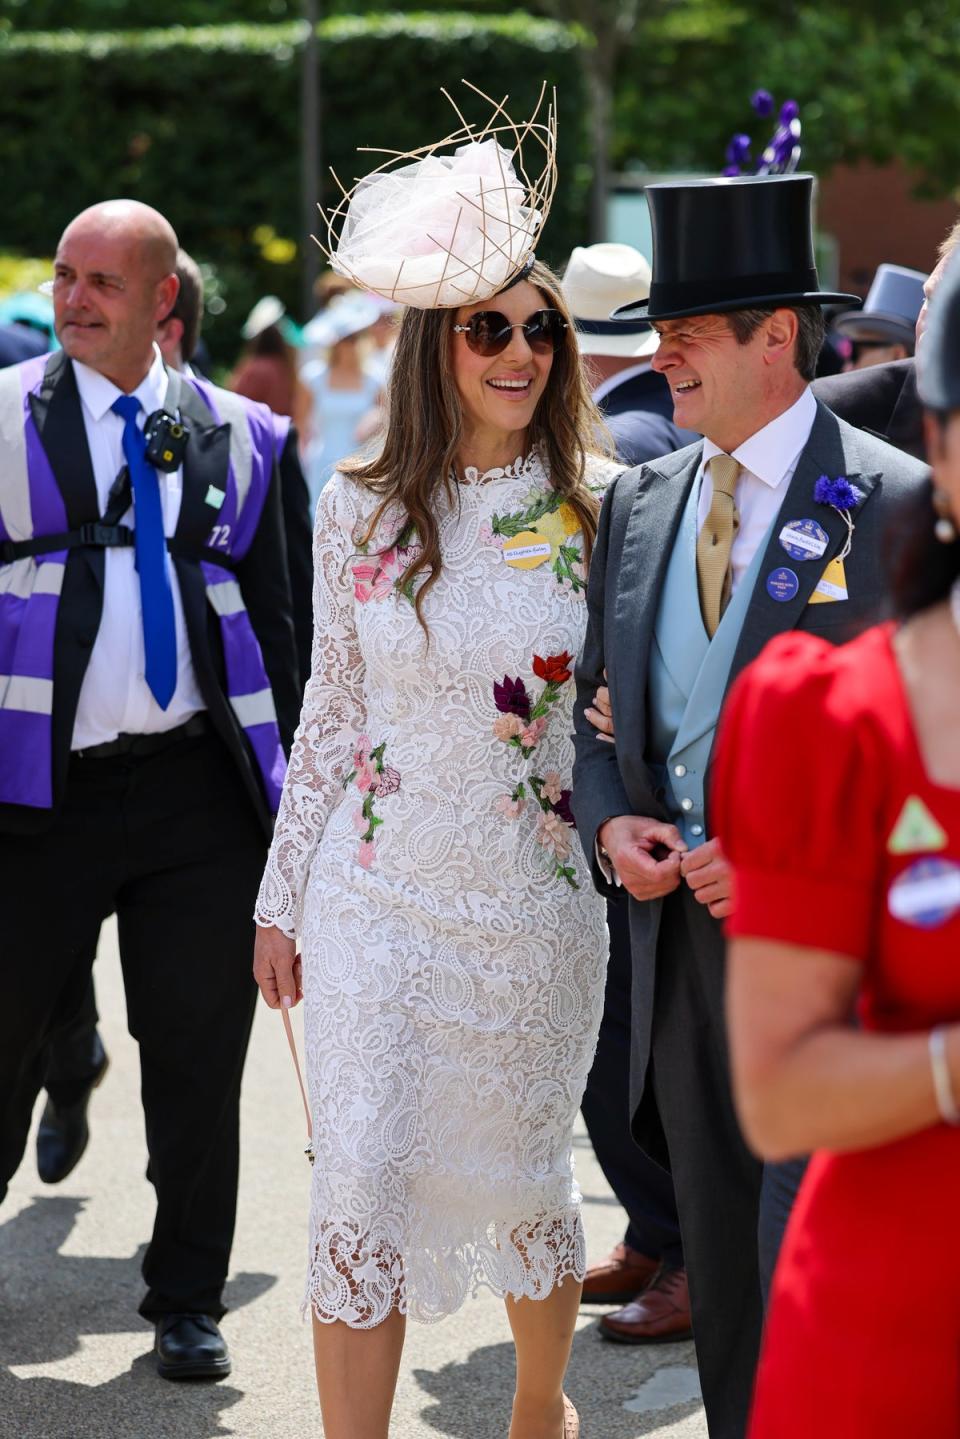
[(838, 799)]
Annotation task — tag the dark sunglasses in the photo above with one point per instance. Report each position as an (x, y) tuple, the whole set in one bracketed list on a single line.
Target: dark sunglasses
[(488, 332)]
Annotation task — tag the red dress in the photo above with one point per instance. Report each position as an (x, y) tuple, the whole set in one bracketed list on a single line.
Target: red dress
[(841, 841)]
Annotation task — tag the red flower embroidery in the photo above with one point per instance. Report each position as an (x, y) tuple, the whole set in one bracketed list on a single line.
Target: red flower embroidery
[(554, 669)]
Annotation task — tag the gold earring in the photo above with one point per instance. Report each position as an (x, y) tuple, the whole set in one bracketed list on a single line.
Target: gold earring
[(944, 529)]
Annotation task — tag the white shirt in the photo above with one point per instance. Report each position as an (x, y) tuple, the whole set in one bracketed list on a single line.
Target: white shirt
[(767, 462), (114, 697)]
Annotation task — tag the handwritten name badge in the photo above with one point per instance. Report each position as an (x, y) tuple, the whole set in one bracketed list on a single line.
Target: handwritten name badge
[(526, 550)]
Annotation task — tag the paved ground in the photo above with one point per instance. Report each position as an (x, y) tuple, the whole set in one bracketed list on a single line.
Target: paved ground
[(75, 1357)]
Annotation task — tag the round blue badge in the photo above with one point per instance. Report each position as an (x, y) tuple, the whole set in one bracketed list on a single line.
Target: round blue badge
[(782, 585), (804, 539), (926, 894)]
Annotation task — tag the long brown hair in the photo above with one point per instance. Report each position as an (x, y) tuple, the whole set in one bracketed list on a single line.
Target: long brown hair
[(425, 428)]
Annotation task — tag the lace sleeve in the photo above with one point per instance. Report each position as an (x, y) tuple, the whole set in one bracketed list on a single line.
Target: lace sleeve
[(332, 716)]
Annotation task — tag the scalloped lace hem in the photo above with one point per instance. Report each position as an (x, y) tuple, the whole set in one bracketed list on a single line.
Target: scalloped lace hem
[(360, 1280)]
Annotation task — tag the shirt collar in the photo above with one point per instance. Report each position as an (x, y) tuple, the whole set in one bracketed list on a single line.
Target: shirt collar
[(98, 393), (772, 453)]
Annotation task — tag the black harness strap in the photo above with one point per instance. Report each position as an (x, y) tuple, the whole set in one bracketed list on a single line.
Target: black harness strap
[(98, 535)]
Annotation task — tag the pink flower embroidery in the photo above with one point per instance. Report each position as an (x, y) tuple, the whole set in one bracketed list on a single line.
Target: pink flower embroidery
[(534, 732), (551, 788), (374, 780), (553, 834), (505, 727), (507, 806)]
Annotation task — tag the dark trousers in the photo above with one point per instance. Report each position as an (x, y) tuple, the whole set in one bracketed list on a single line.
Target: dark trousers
[(778, 1194), (74, 1052), (171, 844), (642, 1186), (717, 1179)]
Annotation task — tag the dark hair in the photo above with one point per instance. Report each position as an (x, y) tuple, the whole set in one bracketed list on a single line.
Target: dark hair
[(188, 306), (424, 428), (811, 332), (924, 569)]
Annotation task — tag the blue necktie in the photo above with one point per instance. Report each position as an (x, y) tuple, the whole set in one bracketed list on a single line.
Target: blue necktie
[(150, 548)]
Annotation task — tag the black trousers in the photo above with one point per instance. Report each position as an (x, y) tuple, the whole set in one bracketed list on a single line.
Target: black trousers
[(171, 844), (717, 1179), (643, 1187), (74, 1052)]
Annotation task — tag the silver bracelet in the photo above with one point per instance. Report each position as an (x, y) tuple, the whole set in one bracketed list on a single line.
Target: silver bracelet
[(942, 1084)]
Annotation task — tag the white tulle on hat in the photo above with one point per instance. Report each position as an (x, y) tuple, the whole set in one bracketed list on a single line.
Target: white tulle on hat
[(437, 231)]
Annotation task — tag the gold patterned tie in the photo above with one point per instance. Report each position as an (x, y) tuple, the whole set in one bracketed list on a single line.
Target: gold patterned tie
[(715, 542)]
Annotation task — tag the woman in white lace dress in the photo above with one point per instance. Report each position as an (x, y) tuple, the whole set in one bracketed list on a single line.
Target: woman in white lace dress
[(453, 949)]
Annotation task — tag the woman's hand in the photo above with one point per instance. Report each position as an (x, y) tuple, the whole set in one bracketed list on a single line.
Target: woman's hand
[(277, 968), (600, 714)]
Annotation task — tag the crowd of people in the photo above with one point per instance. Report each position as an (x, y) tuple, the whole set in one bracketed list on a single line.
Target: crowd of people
[(599, 752)]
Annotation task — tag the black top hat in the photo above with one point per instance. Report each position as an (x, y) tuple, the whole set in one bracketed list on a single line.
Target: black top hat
[(938, 355), (731, 244)]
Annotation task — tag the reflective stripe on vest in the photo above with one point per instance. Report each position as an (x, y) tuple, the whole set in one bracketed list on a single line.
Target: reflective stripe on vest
[(254, 443), (30, 504)]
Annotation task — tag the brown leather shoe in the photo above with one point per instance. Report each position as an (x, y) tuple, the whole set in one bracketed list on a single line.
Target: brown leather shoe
[(660, 1315), (623, 1275)]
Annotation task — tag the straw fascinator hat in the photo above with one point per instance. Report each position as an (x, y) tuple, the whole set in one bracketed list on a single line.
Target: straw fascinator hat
[(452, 223)]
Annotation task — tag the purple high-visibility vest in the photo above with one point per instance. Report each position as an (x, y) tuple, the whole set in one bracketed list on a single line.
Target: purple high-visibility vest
[(31, 506)]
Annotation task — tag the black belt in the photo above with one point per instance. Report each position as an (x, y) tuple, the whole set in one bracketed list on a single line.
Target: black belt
[(146, 744)]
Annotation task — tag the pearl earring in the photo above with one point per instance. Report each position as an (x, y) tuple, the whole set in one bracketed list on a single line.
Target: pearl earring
[(944, 529)]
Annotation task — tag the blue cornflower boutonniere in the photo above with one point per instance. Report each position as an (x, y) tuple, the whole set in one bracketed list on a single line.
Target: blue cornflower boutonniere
[(841, 496)]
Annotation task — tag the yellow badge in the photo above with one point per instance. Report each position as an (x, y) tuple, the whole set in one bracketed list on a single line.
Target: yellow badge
[(526, 550), (832, 584), (916, 831)]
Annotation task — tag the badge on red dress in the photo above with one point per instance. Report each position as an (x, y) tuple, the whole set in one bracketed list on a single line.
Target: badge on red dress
[(916, 831), (927, 894)]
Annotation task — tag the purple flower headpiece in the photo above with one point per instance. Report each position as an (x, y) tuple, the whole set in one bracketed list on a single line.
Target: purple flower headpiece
[(839, 493), (781, 154)]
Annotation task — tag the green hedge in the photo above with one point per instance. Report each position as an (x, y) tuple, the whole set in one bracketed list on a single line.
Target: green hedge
[(203, 124)]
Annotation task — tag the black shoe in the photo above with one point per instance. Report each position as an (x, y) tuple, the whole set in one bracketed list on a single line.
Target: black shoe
[(190, 1346), (63, 1134)]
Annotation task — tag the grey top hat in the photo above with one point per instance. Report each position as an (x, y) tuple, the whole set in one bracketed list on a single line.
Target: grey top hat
[(889, 314)]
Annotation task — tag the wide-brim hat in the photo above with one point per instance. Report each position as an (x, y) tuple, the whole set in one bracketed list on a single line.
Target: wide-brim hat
[(731, 244), (345, 316), (890, 311), (597, 279), (266, 312)]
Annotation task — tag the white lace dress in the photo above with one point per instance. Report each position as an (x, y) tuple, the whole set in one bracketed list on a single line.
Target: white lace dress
[(453, 947)]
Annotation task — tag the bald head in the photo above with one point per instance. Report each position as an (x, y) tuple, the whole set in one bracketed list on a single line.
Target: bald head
[(114, 280)]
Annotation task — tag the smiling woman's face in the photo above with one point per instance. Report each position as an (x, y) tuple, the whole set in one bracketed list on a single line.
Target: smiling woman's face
[(499, 395)]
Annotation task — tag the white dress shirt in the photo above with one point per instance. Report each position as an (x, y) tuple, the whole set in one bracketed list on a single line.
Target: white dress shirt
[(767, 462), (114, 696)]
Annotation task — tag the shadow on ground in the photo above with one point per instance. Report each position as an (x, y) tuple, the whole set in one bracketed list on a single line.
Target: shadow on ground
[(601, 1377), (52, 1302)]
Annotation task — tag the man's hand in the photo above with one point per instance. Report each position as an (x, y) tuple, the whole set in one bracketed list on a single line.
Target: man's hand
[(600, 714), (636, 848), (710, 877), (276, 968)]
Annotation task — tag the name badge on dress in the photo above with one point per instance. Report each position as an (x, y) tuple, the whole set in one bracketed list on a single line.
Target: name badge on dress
[(927, 894), (526, 550)]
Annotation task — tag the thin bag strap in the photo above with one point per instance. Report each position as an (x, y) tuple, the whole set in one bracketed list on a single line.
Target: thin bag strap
[(288, 1027)]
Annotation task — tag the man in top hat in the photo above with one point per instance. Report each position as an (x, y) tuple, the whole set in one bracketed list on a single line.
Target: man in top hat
[(885, 328), (700, 559), (635, 400)]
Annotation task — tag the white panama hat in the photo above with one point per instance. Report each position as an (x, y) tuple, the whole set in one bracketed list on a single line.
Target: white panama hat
[(597, 279)]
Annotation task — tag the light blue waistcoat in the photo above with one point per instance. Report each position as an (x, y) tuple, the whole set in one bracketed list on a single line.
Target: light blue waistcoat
[(688, 676)]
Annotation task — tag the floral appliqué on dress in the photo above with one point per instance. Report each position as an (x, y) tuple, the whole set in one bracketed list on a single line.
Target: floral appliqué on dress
[(550, 515), (374, 780), (521, 724), (380, 573)]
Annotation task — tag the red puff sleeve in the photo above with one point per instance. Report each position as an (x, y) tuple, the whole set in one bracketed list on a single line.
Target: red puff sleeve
[(798, 792)]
